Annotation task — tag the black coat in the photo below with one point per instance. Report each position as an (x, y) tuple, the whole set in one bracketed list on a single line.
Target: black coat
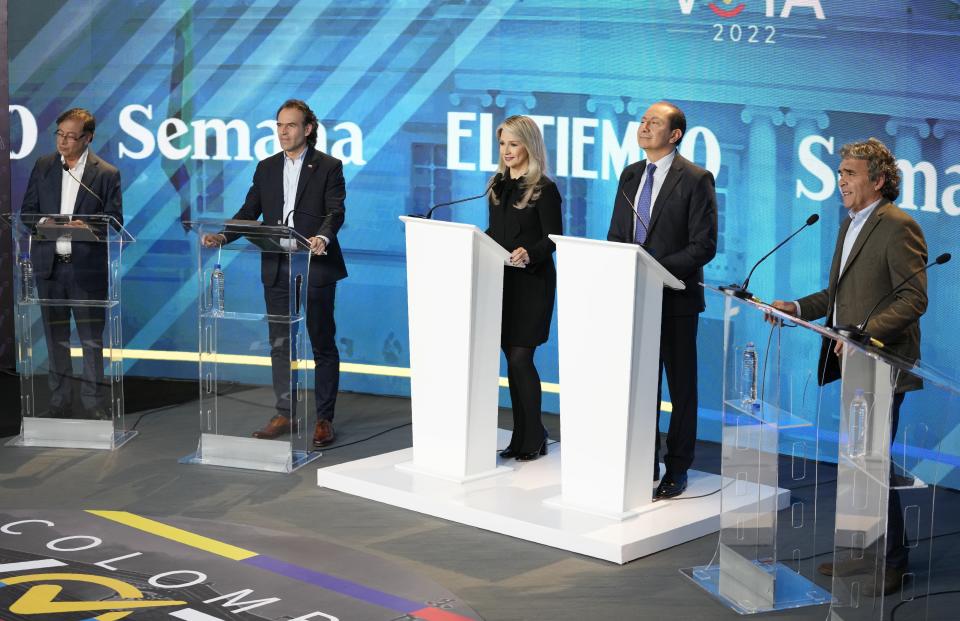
[(321, 190), (683, 228), (528, 293), (43, 197)]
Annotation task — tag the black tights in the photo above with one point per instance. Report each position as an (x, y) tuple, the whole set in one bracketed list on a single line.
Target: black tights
[(528, 430)]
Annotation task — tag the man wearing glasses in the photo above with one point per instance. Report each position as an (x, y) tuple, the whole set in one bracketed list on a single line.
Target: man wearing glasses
[(66, 270)]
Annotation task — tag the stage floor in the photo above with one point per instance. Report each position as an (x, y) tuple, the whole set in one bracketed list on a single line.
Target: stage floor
[(501, 578)]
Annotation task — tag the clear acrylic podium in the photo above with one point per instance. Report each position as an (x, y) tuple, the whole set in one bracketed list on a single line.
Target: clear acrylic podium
[(237, 335), (454, 296), (872, 474), (608, 411), (766, 560), (55, 325)]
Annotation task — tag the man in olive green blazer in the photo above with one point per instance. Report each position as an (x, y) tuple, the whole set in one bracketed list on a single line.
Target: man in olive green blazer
[(888, 248), (878, 247)]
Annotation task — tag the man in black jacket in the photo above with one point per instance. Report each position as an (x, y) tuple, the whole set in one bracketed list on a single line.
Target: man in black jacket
[(668, 205), (304, 188), (73, 270)]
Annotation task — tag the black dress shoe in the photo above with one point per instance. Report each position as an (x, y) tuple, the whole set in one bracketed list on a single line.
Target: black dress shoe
[(672, 486), (535, 454), (55, 412), (98, 414), (508, 453)]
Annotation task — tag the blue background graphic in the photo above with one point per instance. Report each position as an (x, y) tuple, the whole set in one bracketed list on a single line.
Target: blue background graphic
[(409, 94)]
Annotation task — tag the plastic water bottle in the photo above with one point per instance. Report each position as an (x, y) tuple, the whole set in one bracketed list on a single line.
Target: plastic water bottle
[(27, 291), (216, 290), (857, 439), (748, 376)]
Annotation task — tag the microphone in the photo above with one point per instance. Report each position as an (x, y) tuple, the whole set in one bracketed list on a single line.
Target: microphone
[(496, 179), (634, 209), (858, 333), (286, 218), (66, 169), (740, 291)]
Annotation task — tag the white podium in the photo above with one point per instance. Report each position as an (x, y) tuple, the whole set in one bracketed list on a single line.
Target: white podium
[(578, 497), (454, 296), (609, 297)]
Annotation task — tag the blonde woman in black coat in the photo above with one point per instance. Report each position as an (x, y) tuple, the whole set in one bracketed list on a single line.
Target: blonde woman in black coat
[(524, 210)]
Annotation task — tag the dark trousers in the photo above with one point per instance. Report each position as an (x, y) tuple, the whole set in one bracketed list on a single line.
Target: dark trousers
[(897, 553), (678, 357), (63, 285), (525, 400), (322, 330)]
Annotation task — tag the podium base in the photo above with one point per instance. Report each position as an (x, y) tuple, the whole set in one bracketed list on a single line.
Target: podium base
[(249, 454), (513, 504), (790, 589), (71, 433)]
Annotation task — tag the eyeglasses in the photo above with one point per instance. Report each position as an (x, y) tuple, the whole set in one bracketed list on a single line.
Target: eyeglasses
[(68, 137)]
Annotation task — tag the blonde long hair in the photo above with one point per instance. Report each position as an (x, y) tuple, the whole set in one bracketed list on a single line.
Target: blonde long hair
[(530, 137)]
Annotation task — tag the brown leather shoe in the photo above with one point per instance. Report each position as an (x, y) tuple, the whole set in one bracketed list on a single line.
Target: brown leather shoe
[(324, 433), (275, 427), (848, 567), (892, 582)]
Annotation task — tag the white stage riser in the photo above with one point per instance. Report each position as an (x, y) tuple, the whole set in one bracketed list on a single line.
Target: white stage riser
[(513, 504)]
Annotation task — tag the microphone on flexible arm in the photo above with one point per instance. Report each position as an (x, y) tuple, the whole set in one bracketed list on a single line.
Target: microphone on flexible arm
[(66, 169), (740, 291), (858, 333), (496, 179), (286, 219), (299, 212)]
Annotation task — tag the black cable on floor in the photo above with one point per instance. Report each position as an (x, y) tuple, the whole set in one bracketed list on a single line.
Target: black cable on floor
[(379, 433), (716, 491), (154, 411), (893, 611)]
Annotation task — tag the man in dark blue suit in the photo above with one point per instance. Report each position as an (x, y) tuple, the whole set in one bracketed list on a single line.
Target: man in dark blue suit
[(668, 205), (302, 187), (71, 270)]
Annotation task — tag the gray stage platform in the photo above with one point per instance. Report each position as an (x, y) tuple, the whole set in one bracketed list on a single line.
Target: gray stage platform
[(502, 578)]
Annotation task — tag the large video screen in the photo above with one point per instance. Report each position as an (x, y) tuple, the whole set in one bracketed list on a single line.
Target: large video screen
[(409, 95)]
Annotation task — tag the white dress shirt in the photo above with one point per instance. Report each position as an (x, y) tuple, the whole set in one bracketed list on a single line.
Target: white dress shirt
[(291, 178), (68, 196), (853, 232)]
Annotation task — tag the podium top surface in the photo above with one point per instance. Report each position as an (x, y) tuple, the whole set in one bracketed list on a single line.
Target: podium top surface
[(442, 225), (600, 245), (95, 228), (264, 237), (917, 368)]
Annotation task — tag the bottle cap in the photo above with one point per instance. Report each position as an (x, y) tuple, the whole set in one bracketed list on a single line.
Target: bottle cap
[(216, 266)]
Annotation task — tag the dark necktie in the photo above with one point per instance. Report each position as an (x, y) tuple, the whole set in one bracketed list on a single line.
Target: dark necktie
[(643, 206)]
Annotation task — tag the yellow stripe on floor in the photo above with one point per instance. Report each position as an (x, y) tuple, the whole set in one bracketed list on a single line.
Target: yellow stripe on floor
[(176, 534)]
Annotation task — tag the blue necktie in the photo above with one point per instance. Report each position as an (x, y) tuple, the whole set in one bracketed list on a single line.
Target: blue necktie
[(643, 206)]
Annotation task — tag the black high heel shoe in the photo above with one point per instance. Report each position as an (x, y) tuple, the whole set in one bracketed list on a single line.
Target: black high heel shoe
[(535, 454), (508, 453)]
